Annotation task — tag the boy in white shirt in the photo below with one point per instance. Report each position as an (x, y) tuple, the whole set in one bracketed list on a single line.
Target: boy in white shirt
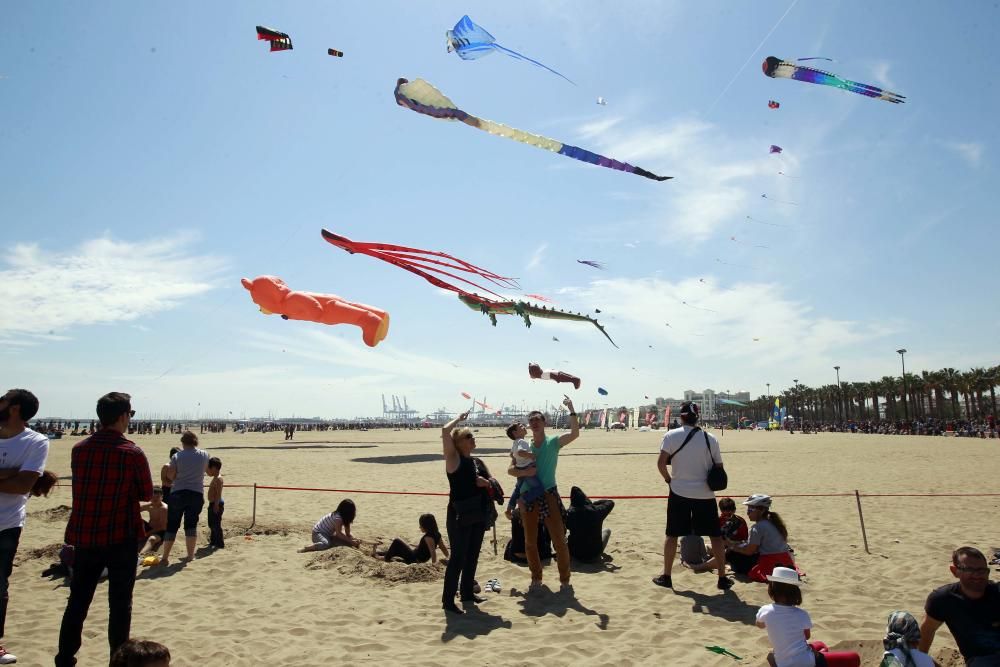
[(23, 453), (528, 488)]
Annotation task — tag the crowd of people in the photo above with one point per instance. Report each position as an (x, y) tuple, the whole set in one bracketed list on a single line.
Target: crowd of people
[(112, 487), (961, 428)]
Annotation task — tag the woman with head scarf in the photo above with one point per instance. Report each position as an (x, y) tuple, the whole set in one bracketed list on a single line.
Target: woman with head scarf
[(902, 634)]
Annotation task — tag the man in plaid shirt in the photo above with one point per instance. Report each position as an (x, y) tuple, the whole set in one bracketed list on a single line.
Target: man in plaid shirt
[(110, 478)]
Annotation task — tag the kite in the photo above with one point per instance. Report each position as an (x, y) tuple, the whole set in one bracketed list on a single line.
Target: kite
[(466, 395), (734, 239), (761, 222), (781, 173), (539, 297), (690, 305), (280, 41), (335, 53), (782, 69), (603, 102), (816, 58), (273, 296), (427, 263), (597, 310), (422, 97), (472, 42), (535, 372), (591, 262), (775, 149), (791, 203), (602, 391), (492, 308), (771, 104)]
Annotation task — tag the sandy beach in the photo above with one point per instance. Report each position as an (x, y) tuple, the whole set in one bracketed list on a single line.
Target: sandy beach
[(258, 601)]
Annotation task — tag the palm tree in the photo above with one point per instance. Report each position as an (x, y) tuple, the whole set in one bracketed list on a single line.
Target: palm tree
[(950, 379), (965, 383), (875, 390), (915, 386), (993, 377), (890, 389)]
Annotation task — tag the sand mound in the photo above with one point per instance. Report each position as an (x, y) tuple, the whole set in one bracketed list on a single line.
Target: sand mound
[(48, 553), (353, 562), (57, 513)]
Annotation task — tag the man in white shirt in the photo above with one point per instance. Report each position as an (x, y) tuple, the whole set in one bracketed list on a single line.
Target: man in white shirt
[(23, 453), (691, 509)]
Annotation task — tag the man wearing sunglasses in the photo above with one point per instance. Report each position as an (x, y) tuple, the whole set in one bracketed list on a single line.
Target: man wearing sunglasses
[(110, 478), (970, 608), (22, 460)]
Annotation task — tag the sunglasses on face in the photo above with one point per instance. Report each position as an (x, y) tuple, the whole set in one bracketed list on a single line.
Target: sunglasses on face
[(973, 570)]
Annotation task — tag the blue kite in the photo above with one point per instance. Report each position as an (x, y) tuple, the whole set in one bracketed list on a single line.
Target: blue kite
[(472, 42)]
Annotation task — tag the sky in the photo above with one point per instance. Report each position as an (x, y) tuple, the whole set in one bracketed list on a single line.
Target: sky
[(155, 153)]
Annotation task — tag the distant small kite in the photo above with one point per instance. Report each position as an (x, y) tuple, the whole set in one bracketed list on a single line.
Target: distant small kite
[(733, 238), (539, 297), (761, 222), (780, 201), (689, 305), (781, 173), (466, 395), (555, 339), (775, 149), (777, 68), (816, 58), (335, 53), (603, 102), (425, 99), (602, 391), (471, 42), (592, 262), (771, 104), (280, 41)]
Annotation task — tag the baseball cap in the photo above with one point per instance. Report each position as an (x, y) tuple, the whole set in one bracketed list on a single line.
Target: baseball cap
[(690, 408)]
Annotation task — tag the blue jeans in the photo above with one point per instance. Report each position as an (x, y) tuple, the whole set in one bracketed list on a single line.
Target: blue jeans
[(528, 487), (8, 547), (88, 565)]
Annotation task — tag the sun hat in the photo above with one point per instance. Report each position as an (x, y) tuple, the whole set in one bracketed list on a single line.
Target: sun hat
[(785, 575), (758, 500)]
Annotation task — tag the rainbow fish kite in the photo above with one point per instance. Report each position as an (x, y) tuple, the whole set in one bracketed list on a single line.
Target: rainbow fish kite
[(782, 69), (471, 42), (422, 97)]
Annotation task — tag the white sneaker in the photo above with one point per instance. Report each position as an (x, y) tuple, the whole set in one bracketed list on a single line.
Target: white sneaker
[(7, 658)]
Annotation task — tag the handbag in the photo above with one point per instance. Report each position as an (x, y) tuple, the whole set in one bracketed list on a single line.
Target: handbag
[(470, 511), (717, 479)]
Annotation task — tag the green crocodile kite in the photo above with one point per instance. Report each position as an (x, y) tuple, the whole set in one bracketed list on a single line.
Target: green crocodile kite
[(493, 308)]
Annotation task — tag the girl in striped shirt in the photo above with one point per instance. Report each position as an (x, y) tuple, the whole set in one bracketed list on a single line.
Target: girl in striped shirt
[(334, 529)]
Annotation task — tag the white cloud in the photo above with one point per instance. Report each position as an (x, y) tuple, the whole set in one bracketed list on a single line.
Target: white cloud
[(969, 151), (880, 73), (711, 186), (536, 257), (99, 282)]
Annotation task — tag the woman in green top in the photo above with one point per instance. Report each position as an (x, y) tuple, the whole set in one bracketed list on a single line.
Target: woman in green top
[(549, 507)]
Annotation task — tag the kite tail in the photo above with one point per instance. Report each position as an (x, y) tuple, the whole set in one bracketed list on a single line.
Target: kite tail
[(596, 324), (521, 56)]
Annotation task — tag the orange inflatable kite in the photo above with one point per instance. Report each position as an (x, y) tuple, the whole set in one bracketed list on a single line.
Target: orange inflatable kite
[(274, 297)]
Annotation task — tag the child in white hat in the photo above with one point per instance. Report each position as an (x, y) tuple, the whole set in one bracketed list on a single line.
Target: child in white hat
[(789, 627)]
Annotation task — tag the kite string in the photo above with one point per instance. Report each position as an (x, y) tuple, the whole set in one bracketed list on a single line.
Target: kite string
[(747, 61)]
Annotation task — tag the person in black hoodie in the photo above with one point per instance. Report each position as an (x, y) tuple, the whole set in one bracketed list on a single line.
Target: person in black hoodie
[(585, 519)]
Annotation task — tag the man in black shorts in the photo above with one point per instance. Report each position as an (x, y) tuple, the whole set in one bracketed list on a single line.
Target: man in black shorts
[(691, 510)]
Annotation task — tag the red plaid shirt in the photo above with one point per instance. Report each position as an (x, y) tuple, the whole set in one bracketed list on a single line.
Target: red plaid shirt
[(110, 478)]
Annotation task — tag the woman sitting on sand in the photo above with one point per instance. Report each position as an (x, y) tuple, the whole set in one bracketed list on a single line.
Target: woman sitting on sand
[(767, 539), (334, 529), (425, 550)]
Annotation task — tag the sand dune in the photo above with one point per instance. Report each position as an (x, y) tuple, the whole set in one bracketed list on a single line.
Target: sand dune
[(260, 601)]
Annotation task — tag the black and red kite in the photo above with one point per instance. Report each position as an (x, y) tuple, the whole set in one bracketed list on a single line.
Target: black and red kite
[(280, 41)]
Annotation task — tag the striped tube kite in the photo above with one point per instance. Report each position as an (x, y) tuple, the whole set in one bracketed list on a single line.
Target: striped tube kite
[(273, 296), (437, 267), (782, 69), (422, 97)]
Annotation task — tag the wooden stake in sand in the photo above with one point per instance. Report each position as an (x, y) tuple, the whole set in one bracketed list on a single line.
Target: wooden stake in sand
[(864, 535), (253, 519)]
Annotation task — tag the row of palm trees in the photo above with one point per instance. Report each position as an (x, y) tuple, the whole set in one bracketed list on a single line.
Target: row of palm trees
[(943, 394)]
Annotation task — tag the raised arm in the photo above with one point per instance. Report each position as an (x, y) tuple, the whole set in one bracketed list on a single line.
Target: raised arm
[(574, 424), (451, 455)]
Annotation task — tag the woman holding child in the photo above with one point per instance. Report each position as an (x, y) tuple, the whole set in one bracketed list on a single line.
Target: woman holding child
[(469, 511)]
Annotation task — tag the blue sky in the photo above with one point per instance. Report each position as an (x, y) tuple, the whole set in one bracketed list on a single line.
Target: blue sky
[(156, 153)]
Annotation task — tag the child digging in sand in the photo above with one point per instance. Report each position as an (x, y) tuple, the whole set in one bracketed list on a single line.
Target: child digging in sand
[(334, 529), (157, 524), (141, 653)]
